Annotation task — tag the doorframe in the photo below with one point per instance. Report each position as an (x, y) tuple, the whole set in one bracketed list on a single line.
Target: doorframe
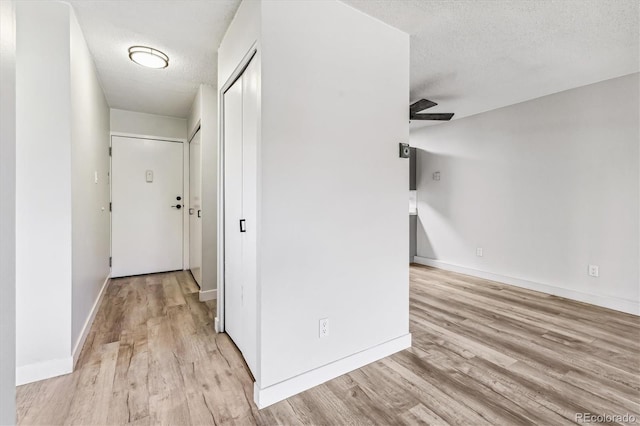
[(185, 188), (187, 182), (235, 75)]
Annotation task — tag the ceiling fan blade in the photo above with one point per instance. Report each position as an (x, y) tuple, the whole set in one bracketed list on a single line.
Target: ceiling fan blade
[(421, 105), (444, 116)]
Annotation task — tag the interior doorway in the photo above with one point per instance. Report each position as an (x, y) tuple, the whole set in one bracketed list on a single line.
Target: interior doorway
[(239, 143), (147, 206)]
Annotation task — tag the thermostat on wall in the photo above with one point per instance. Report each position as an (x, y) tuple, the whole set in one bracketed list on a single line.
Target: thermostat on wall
[(149, 176)]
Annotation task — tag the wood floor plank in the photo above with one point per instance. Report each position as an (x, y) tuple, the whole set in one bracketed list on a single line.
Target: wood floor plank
[(91, 401), (422, 415), (483, 353), (130, 401), (51, 401), (446, 407), (167, 400)]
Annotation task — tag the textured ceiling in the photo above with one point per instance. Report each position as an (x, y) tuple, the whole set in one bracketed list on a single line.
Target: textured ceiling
[(472, 56), (469, 56), (188, 31)]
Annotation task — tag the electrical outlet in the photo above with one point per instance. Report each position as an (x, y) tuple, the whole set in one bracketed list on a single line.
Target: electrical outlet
[(436, 176), (324, 327), (594, 271), (479, 252)]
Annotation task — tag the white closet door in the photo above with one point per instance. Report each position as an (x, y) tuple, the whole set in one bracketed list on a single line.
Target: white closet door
[(240, 196), (146, 194), (249, 213), (195, 209), (233, 213)]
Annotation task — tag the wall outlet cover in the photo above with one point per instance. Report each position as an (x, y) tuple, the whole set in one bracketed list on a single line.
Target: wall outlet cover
[(324, 327)]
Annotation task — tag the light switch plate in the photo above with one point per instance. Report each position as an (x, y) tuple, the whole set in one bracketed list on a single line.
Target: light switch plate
[(149, 176)]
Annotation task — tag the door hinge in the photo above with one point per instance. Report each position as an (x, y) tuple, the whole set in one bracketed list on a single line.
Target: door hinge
[(110, 207), (109, 151), (110, 261)]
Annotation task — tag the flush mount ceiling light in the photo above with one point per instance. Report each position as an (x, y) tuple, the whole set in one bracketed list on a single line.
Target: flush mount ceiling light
[(148, 57)]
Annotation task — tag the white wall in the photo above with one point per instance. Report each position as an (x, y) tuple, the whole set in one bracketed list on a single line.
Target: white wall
[(62, 225), (7, 213), (545, 187), (204, 113), (140, 123), (333, 229), (43, 190), (90, 198), (334, 239)]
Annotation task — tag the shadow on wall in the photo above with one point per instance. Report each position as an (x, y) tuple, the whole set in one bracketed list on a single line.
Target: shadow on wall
[(433, 195), (440, 183), (496, 197), (426, 249), (433, 184)]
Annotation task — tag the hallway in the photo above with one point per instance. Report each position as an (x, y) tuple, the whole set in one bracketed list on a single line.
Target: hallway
[(483, 353), (152, 357)]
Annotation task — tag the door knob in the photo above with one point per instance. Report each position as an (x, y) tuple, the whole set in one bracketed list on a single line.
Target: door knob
[(178, 198), (177, 206), (190, 212)]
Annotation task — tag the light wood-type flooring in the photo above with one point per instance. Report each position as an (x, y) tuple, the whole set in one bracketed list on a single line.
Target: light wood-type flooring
[(483, 353)]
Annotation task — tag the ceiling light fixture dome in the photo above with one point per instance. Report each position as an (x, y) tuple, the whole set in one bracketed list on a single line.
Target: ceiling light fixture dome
[(148, 57)]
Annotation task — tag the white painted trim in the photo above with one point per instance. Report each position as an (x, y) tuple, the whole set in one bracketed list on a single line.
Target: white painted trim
[(43, 370), (87, 324), (196, 129), (610, 302), (208, 295), (155, 138), (186, 199), (287, 388)]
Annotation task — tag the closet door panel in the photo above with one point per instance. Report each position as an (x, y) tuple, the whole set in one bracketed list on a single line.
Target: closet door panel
[(249, 205), (233, 213)]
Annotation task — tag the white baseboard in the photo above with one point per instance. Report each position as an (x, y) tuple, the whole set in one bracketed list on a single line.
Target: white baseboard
[(43, 370), (87, 325), (287, 388), (208, 295), (615, 303)]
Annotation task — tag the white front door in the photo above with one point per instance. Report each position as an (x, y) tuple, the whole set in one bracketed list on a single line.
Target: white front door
[(195, 209), (147, 213), (240, 218)]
